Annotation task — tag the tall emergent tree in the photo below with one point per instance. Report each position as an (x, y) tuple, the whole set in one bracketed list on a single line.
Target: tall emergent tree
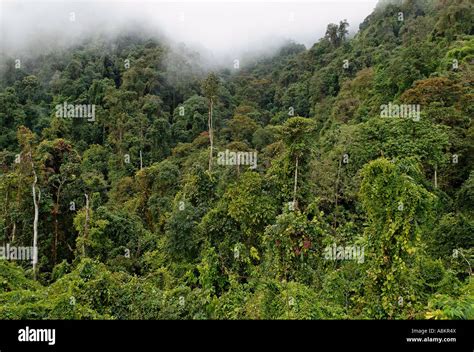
[(297, 136), (209, 89), (26, 139)]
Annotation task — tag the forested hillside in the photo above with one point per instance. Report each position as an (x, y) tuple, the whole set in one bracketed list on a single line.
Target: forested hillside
[(331, 182)]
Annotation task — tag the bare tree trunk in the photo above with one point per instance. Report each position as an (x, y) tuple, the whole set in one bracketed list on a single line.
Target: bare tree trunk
[(141, 160), (55, 245), (122, 162), (211, 137), (14, 232), (86, 225), (296, 183), (56, 222), (5, 209), (36, 201), (336, 193), (436, 176)]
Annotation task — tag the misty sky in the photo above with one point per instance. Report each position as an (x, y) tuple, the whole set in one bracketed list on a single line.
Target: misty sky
[(220, 28)]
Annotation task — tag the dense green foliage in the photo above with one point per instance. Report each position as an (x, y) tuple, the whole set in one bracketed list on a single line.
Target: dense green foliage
[(137, 222)]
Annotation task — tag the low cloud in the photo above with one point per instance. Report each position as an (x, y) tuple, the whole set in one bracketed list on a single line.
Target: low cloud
[(220, 30)]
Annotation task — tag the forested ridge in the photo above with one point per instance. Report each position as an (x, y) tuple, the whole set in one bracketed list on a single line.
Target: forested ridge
[(330, 182)]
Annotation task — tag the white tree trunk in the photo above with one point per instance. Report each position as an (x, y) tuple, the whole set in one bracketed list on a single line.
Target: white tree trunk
[(211, 136), (36, 201), (86, 225), (296, 183), (336, 190)]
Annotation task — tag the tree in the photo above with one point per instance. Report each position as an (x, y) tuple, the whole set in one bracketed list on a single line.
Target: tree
[(342, 30), (332, 34), (397, 209), (26, 140), (209, 88), (297, 133), (293, 244), (336, 34), (60, 164)]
